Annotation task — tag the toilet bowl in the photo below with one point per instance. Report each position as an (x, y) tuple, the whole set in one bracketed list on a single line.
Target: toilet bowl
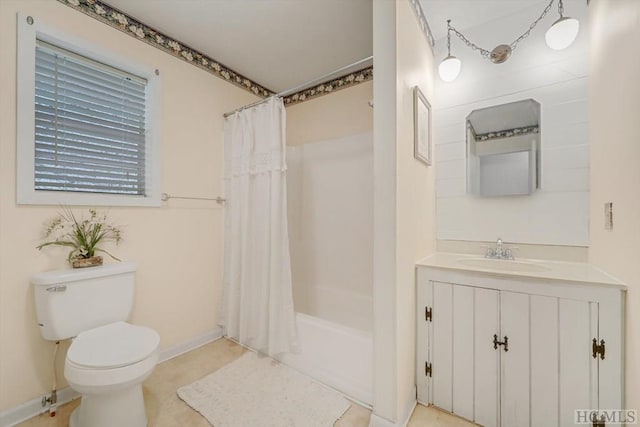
[(107, 365), (108, 358)]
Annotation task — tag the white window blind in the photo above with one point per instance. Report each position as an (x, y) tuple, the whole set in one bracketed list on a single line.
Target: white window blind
[(90, 122)]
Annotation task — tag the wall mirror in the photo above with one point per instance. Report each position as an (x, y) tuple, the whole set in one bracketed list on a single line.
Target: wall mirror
[(503, 149)]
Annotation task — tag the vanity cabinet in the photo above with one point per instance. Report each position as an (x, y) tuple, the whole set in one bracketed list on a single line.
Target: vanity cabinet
[(503, 350)]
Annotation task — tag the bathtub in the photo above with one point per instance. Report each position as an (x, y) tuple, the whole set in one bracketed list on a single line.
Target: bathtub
[(335, 355)]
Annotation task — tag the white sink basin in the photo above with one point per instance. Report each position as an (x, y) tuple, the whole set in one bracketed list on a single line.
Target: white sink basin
[(504, 265)]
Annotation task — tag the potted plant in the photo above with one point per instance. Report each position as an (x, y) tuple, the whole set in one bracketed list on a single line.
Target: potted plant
[(82, 235)]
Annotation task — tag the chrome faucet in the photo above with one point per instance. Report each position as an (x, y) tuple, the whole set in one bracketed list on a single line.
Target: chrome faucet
[(499, 252)]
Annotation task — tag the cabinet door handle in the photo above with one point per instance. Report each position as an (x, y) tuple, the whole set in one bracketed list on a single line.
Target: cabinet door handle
[(504, 343)]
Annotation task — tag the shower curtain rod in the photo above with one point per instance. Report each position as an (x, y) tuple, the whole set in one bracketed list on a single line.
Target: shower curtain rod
[(299, 87)]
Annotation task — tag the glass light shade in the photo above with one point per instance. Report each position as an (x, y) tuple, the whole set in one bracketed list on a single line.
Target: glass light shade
[(562, 33), (449, 68)]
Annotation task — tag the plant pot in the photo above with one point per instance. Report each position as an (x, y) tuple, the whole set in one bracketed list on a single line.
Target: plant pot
[(94, 261)]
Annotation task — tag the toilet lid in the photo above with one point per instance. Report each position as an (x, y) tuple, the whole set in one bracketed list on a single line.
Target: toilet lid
[(112, 346)]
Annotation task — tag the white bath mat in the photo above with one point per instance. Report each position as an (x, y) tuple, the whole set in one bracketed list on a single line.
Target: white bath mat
[(260, 392)]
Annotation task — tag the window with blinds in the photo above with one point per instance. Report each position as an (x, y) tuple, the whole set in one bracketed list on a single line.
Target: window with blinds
[(90, 123)]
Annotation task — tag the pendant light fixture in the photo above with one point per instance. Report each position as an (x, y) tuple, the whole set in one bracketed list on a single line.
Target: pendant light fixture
[(449, 68), (561, 35), (563, 32)]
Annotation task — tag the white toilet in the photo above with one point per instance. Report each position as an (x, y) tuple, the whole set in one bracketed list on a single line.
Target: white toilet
[(109, 358)]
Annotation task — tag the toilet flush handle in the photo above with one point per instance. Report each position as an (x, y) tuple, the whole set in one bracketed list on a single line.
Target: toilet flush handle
[(58, 288)]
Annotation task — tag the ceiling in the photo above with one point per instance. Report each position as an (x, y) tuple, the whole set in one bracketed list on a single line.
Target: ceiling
[(281, 44), (470, 13)]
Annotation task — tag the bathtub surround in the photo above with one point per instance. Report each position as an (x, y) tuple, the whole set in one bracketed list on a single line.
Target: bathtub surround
[(330, 198), (257, 303), (140, 31), (330, 191), (330, 210)]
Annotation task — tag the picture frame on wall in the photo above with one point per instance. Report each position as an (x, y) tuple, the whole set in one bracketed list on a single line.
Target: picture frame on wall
[(422, 145)]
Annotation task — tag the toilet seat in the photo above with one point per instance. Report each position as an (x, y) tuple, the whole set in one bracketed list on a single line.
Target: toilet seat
[(111, 358), (112, 346)]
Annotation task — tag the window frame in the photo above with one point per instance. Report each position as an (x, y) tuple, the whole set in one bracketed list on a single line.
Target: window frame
[(26, 194)]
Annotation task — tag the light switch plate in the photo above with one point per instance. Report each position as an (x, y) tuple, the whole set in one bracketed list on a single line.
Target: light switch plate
[(608, 216)]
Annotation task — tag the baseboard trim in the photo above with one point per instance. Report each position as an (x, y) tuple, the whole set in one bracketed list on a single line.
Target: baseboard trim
[(34, 407), (409, 407), (192, 344), (378, 421), (403, 420)]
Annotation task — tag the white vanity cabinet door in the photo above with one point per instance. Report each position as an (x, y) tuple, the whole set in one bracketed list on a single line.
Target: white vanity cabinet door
[(548, 370), (486, 404), (514, 354), (465, 368), (442, 346), (578, 324), (544, 361), (452, 348), (463, 354)]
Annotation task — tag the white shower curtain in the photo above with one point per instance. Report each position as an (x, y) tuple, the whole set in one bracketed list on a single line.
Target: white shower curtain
[(257, 305)]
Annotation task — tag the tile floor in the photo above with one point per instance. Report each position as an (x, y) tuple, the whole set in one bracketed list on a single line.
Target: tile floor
[(165, 409)]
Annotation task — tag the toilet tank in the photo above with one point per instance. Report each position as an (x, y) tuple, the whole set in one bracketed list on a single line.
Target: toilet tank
[(74, 300)]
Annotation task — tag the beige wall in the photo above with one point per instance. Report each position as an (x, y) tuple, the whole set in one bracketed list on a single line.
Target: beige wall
[(415, 203), (342, 113), (404, 202), (178, 247), (614, 102)]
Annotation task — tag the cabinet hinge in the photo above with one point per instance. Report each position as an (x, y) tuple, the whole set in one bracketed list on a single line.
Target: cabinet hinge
[(427, 369), (428, 314), (598, 349), (598, 423)]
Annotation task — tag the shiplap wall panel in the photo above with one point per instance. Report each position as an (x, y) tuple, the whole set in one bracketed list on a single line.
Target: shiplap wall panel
[(452, 169), (565, 135), (562, 180), (452, 187), (558, 212), (453, 151), (566, 158), (478, 219)]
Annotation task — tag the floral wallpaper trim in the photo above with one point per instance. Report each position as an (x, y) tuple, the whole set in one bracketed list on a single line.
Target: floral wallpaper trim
[(345, 81), (128, 25), (422, 21), (508, 133)]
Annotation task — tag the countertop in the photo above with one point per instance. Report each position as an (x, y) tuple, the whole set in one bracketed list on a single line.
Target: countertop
[(557, 270)]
